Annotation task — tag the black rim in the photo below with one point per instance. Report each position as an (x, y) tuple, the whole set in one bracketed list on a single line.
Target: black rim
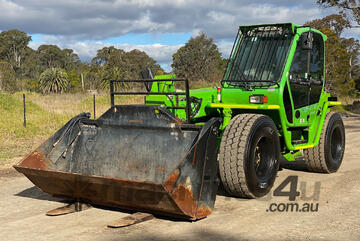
[(264, 159), (336, 144)]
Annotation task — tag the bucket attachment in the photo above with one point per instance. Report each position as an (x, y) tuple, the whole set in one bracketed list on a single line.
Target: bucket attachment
[(135, 157)]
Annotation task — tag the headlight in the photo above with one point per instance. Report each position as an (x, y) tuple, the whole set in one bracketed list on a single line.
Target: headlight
[(258, 99)]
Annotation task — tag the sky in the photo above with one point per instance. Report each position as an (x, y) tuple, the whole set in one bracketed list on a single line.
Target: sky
[(158, 27)]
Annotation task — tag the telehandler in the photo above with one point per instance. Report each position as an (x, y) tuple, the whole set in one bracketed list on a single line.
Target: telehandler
[(169, 155)]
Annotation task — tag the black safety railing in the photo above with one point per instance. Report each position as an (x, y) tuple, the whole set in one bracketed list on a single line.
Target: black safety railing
[(185, 93)]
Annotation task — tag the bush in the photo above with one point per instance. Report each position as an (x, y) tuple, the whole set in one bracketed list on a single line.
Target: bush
[(8, 80), (54, 80)]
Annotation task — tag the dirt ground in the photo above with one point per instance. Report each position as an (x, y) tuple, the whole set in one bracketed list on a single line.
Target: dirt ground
[(23, 207)]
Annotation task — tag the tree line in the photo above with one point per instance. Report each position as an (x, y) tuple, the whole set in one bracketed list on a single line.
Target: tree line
[(51, 69)]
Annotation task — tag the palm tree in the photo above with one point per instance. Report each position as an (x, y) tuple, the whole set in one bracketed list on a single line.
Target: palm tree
[(53, 80)]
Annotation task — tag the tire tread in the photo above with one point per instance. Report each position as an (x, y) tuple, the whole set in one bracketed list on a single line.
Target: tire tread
[(315, 157), (231, 169)]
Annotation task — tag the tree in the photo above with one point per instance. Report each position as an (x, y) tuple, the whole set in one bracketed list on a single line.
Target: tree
[(337, 65), (335, 22), (108, 55), (31, 65), (74, 81), (92, 76), (51, 56), (137, 61), (348, 8), (53, 80), (352, 46), (199, 59), (342, 63), (113, 63), (12, 46), (7, 77), (71, 59)]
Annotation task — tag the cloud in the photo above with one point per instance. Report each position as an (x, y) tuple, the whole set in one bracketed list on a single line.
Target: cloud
[(352, 32), (88, 49), (86, 25), (160, 52), (225, 48), (98, 20)]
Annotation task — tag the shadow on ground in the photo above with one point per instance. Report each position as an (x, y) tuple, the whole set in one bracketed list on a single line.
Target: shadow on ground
[(196, 235), (297, 165), (36, 193)]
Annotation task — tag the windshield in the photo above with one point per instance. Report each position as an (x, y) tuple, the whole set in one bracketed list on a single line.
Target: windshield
[(260, 56)]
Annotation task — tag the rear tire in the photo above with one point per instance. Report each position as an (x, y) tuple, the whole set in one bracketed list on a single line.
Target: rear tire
[(327, 156), (249, 155)]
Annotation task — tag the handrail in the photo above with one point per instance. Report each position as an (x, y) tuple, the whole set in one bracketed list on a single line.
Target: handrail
[(186, 93)]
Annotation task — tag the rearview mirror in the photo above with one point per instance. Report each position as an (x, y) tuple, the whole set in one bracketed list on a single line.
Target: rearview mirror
[(306, 41), (147, 74)]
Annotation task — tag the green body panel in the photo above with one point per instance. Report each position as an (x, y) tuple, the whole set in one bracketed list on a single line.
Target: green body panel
[(233, 100)]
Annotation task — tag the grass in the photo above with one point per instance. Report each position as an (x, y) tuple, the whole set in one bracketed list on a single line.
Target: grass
[(45, 115)]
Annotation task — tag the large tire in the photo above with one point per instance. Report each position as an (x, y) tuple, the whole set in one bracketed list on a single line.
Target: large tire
[(327, 156), (249, 155)]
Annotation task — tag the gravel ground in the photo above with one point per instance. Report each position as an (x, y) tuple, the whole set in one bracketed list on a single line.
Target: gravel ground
[(23, 207)]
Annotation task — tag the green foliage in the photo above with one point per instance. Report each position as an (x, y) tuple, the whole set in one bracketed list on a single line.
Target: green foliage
[(138, 61), (198, 60), (342, 56), (71, 59), (51, 56), (111, 63), (335, 22), (92, 76), (53, 80), (31, 85), (12, 47), (8, 80), (108, 73), (31, 66), (74, 81), (337, 64)]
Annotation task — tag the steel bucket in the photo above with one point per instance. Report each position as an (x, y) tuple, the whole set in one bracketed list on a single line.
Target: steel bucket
[(134, 157)]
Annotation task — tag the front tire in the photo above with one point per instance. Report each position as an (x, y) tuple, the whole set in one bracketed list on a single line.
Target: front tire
[(249, 155), (327, 156)]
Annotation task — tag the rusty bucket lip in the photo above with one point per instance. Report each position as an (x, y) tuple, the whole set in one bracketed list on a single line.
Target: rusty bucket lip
[(36, 171), (19, 167)]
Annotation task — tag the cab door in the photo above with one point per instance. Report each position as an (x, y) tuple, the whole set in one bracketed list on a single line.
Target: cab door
[(299, 81), (306, 78)]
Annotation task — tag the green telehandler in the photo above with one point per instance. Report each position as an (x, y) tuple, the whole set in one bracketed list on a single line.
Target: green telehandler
[(170, 155)]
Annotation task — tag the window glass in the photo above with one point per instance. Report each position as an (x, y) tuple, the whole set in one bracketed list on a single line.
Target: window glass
[(316, 68), (316, 64), (298, 67), (261, 55), (299, 73)]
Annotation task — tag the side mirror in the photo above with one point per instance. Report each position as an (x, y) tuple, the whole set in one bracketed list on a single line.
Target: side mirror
[(306, 41), (147, 74)]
